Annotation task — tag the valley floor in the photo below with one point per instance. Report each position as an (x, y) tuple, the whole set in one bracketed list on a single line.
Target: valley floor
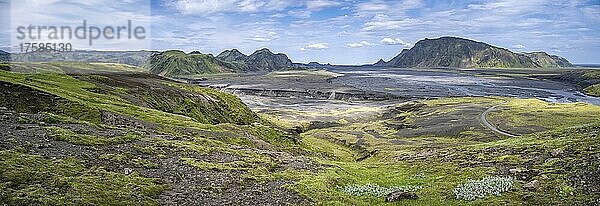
[(75, 133)]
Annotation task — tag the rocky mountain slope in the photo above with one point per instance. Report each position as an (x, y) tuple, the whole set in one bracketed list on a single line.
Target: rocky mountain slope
[(545, 60), (465, 53), (134, 58), (380, 63), (264, 59), (233, 55), (260, 60)]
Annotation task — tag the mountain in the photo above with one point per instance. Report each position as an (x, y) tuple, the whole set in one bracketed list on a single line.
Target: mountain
[(380, 63), (176, 63), (312, 65), (4, 56), (265, 60), (465, 53), (545, 60), (232, 55), (135, 58)]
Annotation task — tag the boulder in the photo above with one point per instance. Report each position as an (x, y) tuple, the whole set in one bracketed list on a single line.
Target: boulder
[(532, 185), (400, 195), (556, 152)]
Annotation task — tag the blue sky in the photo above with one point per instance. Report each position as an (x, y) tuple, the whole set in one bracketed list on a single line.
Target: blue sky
[(340, 32)]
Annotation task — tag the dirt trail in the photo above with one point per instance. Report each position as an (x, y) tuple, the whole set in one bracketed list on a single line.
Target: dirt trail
[(487, 124)]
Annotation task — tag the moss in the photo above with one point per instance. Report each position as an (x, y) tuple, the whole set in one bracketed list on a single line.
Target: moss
[(90, 140), (526, 114), (178, 63), (129, 159), (33, 180), (593, 90), (203, 165), (224, 108)]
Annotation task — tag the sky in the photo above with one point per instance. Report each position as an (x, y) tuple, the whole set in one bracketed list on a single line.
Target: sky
[(326, 31)]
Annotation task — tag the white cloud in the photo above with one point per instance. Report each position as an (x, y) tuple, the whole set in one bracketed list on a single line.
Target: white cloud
[(372, 6), (519, 46), (269, 36), (206, 7), (359, 44), (319, 4), (382, 22), (395, 41), (300, 13), (394, 8), (278, 15), (316, 46)]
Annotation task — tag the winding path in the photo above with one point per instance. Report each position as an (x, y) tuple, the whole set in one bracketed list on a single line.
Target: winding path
[(486, 123)]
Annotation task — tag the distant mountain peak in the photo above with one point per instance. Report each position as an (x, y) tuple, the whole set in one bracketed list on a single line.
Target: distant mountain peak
[(4, 56), (232, 55), (263, 51), (264, 59), (380, 63)]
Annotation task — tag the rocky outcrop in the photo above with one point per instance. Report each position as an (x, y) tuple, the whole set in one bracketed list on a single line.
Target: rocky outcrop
[(400, 195), (465, 53), (545, 60)]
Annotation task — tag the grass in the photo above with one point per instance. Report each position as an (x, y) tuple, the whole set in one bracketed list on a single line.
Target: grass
[(79, 93), (593, 90), (34, 180), (527, 114), (178, 63), (436, 164), (440, 164), (62, 134)]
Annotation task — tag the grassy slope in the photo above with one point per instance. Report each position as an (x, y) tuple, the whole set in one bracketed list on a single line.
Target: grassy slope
[(18, 187), (439, 164), (34, 180), (593, 90), (435, 163)]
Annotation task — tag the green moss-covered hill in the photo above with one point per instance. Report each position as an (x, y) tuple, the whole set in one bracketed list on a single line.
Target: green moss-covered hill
[(465, 53), (178, 63), (108, 134)]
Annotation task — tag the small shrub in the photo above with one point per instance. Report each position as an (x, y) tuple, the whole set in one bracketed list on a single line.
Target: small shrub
[(483, 188), (370, 189)]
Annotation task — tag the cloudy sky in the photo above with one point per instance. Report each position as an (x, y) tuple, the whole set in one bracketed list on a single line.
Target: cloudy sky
[(339, 32)]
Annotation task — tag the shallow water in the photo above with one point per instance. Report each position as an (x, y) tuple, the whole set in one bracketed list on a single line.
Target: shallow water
[(416, 83)]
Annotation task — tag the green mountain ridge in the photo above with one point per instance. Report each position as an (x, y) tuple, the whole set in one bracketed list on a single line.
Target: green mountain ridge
[(177, 63), (134, 58), (465, 53)]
